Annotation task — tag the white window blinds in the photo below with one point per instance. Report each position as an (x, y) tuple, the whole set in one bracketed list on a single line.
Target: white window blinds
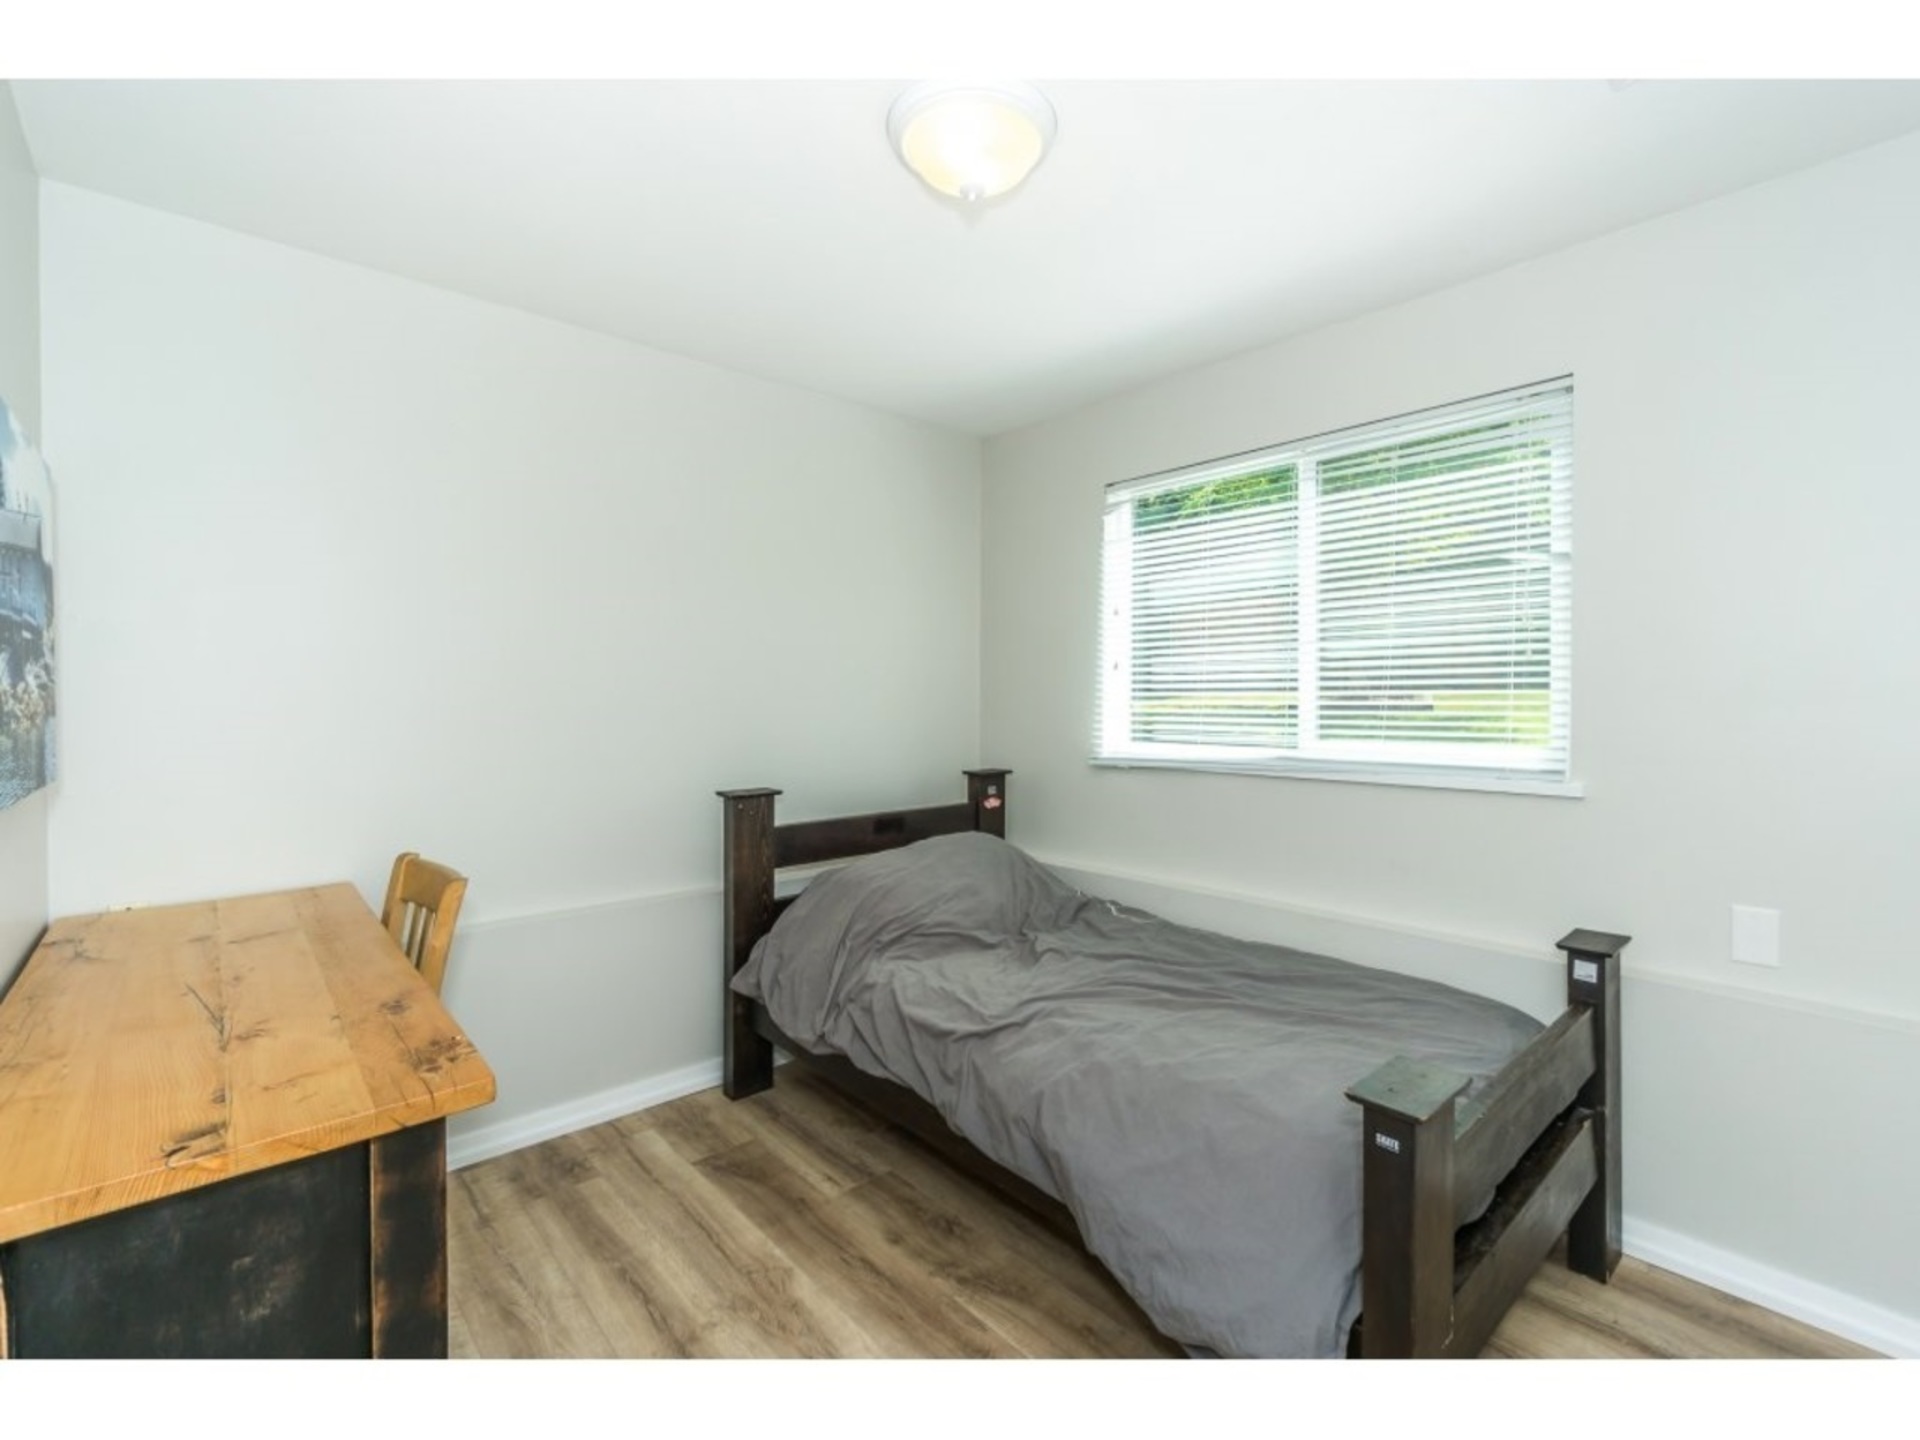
[(1386, 602)]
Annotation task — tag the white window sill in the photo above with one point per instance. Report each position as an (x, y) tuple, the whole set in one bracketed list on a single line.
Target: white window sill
[(1422, 779)]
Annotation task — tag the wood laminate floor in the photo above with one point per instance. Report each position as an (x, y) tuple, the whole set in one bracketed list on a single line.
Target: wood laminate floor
[(794, 1224)]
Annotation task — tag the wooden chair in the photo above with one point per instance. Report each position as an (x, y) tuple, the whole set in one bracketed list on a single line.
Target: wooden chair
[(423, 902)]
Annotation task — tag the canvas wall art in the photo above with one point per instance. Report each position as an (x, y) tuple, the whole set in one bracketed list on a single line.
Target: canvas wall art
[(26, 615)]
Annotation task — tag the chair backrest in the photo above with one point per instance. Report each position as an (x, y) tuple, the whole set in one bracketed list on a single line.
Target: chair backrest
[(423, 902)]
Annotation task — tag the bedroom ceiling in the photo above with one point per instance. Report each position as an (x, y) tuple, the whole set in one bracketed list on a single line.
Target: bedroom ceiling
[(766, 226)]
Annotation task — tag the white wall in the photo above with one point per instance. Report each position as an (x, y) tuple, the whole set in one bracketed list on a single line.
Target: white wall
[(23, 826), (352, 565), (1746, 682)]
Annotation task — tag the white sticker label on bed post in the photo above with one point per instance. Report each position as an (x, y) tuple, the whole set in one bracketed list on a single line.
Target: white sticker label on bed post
[(1587, 972), (1386, 1142)]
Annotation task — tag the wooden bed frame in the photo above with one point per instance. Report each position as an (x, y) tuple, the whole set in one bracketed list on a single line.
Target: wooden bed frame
[(1546, 1127)]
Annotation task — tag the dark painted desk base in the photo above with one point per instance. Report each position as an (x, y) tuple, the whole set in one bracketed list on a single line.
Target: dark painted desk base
[(339, 1255)]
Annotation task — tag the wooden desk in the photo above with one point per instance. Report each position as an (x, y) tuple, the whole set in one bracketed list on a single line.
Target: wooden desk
[(222, 1132)]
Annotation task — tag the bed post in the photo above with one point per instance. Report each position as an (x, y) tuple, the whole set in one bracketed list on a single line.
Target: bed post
[(748, 880), (987, 793), (1406, 1246), (1593, 980)]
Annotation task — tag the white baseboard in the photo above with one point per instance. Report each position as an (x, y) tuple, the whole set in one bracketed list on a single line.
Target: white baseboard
[(1837, 1313), (486, 1141)]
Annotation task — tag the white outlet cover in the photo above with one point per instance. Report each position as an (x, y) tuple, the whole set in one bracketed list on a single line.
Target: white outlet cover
[(1756, 936)]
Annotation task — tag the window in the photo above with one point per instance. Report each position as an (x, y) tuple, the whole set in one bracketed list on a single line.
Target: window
[(1389, 603)]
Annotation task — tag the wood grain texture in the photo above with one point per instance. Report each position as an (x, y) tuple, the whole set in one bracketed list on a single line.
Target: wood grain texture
[(791, 1224), (1650, 1314), (421, 911), (748, 913), (1500, 1124), (1516, 1241), (148, 1052), (407, 1259), (1593, 982), (845, 836), (1406, 1163), (796, 1224)]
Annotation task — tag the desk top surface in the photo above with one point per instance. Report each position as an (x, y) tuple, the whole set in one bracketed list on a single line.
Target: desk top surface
[(147, 1052)]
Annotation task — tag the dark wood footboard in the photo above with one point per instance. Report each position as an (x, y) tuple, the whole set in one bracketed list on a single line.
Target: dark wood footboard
[(1543, 1135), (1545, 1131)]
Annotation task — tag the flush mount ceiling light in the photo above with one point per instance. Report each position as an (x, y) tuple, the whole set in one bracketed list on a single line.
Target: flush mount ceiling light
[(971, 139)]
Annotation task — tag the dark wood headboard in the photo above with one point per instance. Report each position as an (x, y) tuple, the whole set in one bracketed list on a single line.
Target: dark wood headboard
[(756, 848)]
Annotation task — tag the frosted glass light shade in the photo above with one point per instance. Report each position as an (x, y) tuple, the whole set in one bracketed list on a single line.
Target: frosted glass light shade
[(973, 140)]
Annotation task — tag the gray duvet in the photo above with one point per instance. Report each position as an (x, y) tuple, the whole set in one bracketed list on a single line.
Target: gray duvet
[(1180, 1092)]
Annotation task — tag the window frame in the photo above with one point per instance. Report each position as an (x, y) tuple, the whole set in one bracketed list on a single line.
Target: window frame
[(1462, 765)]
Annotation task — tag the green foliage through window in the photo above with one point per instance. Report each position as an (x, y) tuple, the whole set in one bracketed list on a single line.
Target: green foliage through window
[(1419, 570)]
